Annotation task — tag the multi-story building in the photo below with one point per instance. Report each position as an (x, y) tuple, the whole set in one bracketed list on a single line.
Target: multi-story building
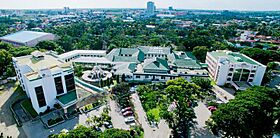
[(234, 68), (144, 63), (151, 8), (27, 38), (47, 80)]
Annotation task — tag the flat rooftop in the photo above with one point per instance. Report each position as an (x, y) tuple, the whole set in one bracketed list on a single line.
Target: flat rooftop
[(23, 36), (234, 57), (75, 52), (36, 64)]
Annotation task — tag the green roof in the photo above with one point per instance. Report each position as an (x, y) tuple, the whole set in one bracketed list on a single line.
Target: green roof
[(126, 55), (155, 64), (68, 98), (186, 63), (233, 57)]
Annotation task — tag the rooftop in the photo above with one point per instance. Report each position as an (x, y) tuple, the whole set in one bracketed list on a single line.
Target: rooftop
[(68, 98), (75, 52), (233, 57), (35, 64), (155, 50), (23, 36), (155, 64), (126, 55)]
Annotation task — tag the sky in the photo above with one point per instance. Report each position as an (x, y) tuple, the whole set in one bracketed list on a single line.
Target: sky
[(255, 5)]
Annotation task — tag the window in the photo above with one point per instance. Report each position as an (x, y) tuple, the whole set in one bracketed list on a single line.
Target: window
[(245, 75), (70, 83), (228, 79), (252, 75), (58, 85), (146, 76), (253, 71), (137, 76), (162, 77), (40, 96), (230, 74), (231, 69), (250, 80)]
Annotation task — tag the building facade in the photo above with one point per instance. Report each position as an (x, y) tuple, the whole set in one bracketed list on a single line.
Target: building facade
[(227, 67), (46, 80), (144, 63), (151, 8)]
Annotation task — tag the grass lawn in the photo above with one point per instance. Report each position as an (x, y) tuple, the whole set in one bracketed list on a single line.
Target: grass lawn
[(155, 113), (26, 104)]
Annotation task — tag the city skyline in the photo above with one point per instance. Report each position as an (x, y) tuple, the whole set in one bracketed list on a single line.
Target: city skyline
[(259, 5)]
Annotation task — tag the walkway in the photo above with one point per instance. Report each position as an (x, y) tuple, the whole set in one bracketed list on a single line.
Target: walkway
[(221, 93), (162, 131)]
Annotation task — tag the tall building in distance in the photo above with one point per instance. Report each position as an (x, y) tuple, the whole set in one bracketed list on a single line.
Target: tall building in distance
[(151, 8)]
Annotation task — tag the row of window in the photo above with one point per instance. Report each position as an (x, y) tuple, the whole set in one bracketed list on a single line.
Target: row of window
[(70, 85)]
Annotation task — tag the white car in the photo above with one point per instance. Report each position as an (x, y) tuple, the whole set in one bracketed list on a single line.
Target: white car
[(129, 119)]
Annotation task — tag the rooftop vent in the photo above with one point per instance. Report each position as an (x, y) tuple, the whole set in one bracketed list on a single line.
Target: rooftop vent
[(37, 55)]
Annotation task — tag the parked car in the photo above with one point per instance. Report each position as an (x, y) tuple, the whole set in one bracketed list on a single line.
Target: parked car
[(126, 109), (108, 125), (128, 113), (97, 128), (129, 119)]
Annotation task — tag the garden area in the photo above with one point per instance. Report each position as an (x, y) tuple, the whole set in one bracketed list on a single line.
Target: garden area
[(92, 106), (122, 95), (51, 122), (152, 97), (27, 106)]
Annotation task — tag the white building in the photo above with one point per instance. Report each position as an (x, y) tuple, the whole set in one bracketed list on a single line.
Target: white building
[(27, 38), (47, 80), (227, 67), (72, 55)]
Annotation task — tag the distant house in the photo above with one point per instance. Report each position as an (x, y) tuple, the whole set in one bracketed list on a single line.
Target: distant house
[(27, 38)]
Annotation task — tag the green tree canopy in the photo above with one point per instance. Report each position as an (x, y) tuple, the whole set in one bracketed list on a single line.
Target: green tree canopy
[(200, 52), (184, 95), (251, 114)]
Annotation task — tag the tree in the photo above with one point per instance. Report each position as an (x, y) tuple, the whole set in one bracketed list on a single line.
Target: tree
[(184, 95), (204, 83), (116, 133), (262, 56), (48, 45), (121, 88), (252, 114), (200, 52), (5, 60)]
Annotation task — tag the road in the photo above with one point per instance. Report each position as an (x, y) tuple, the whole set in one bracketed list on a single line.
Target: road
[(117, 118), (7, 123), (162, 131), (202, 114)]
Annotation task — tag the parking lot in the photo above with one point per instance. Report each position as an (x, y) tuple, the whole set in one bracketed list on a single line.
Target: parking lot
[(37, 125)]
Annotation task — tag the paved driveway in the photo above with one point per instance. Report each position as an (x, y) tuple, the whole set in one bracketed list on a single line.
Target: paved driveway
[(36, 130), (202, 115), (162, 131), (117, 118), (7, 123), (221, 93)]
